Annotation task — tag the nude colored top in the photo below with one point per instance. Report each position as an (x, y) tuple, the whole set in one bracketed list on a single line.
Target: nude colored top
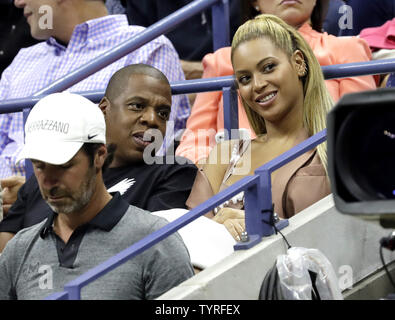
[(207, 112), (297, 185)]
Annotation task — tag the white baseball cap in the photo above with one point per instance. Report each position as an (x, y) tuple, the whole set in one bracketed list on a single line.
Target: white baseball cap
[(58, 125)]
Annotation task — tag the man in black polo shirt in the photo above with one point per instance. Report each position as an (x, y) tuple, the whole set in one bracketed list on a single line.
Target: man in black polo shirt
[(137, 101), (86, 225)]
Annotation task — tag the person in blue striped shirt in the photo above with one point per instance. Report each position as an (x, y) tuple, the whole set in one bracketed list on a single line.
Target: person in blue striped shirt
[(75, 32)]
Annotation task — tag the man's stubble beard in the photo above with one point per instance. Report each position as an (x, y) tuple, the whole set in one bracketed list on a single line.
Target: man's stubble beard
[(85, 193)]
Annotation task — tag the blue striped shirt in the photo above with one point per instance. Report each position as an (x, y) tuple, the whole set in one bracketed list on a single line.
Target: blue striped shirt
[(38, 66)]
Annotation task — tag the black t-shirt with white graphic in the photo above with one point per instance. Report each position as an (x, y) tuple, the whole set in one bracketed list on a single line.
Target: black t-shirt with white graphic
[(151, 187)]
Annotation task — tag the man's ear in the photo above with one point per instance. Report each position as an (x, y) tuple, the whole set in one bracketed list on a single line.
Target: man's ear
[(255, 5), (100, 157), (104, 104)]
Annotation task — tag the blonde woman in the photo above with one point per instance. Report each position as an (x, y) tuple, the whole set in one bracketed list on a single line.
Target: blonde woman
[(207, 115), (286, 101)]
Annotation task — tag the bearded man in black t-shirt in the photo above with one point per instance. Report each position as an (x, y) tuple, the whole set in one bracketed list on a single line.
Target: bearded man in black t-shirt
[(136, 107)]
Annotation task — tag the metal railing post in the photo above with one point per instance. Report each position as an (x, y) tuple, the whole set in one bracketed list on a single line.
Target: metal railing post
[(231, 112), (254, 204)]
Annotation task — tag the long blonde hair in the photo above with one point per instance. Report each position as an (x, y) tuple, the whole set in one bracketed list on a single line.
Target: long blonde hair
[(317, 100)]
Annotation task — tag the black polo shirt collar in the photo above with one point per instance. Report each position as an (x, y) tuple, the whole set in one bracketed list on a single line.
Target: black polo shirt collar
[(106, 219)]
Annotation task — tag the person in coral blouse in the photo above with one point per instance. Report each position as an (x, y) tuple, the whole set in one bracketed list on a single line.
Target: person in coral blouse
[(307, 16)]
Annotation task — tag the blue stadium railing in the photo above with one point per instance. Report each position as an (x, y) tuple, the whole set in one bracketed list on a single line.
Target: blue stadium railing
[(257, 188), (220, 83)]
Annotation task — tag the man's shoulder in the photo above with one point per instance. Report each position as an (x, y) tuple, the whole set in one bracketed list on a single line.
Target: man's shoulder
[(144, 217), (168, 167), (153, 168), (133, 30), (26, 236), (36, 49), (31, 231), (141, 221)]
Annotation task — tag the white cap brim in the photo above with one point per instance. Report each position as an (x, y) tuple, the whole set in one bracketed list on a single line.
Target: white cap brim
[(53, 153)]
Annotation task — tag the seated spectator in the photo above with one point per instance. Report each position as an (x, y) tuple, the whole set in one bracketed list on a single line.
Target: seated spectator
[(366, 14), (87, 224), (286, 101), (207, 113), (76, 31), (137, 101)]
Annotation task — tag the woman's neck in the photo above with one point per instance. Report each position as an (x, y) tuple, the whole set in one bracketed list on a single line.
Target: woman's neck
[(303, 23), (288, 126)]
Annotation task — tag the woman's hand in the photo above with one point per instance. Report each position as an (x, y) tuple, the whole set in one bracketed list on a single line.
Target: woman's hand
[(233, 220)]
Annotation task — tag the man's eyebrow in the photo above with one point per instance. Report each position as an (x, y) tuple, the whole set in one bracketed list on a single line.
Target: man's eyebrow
[(138, 98)]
